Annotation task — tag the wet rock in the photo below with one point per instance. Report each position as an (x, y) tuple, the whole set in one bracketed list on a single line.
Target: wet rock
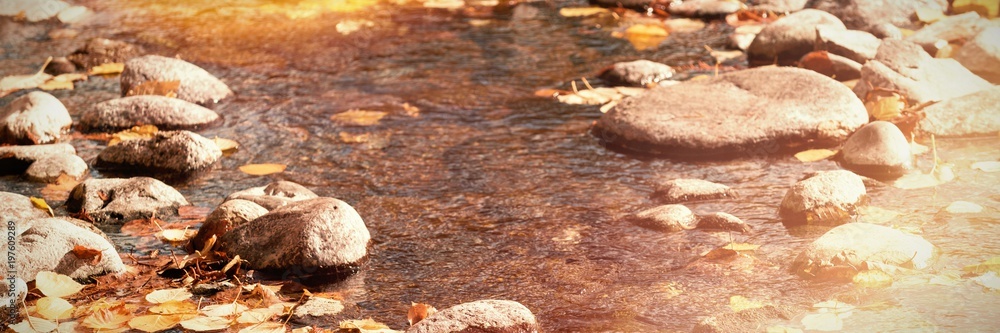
[(636, 73), (758, 115), (274, 195), (681, 190), (324, 236), (46, 245), (786, 40), (855, 246), (859, 14), (196, 85), (59, 66), (209, 289), (952, 28), (723, 221), (970, 115), (49, 169), (829, 198), (666, 218), (748, 320), (831, 65), (99, 51), (877, 150), (743, 35), (905, 67), (885, 31), (856, 45), (169, 152), (42, 162), (119, 200), (981, 55), (228, 215), (315, 308), (163, 112), (484, 316), (779, 6), (35, 118), (701, 8), (14, 206)]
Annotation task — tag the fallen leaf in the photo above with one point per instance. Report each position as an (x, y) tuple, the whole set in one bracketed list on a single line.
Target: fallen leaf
[(105, 319), (739, 303), (825, 322), (646, 36), (107, 69), (168, 295), (56, 285), (989, 280), (262, 169), (884, 105), (62, 81), (990, 265), (989, 166), (157, 323), (741, 247), (363, 324), (269, 327), (582, 11), (444, 4), (134, 133), (226, 145), (18, 82), (159, 88), (174, 307), (33, 325), (720, 253), (411, 110), (872, 278), (176, 235), (419, 311), (963, 207), (86, 253), (358, 117), (814, 155), (256, 316), (54, 308), (224, 310), (941, 175), (203, 324), (41, 204)]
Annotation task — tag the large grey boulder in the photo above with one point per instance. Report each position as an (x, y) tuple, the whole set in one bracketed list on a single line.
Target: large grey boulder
[(35, 118), (163, 112), (828, 198), (484, 316), (196, 85), (47, 244), (957, 28), (683, 189), (229, 215), (856, 45), (274, 195), (786, 40), (118, 200), (905, 67), (981, 55), (324, 236), (666, 218), (99, 51), (860, 14), (970, 115), (169, 152), (859, 246), (877, 150), (741, 114), (43, 163), (636, 73)]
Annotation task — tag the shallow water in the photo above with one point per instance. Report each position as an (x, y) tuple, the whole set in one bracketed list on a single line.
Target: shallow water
[(491, 192)]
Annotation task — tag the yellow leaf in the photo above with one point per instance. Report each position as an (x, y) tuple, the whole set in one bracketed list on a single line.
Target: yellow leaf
[(814, 155), (107, 69), (256, 316), (54, 308), (134, 133), (107, 318), (168, 295), (63, 81), (444, 4), (985, 8), (226, 145), (885, 105), (18, 82), (365, 324), (174, 307), (203, 324), (41, 204), (991, 265), (270, 327), (56, 285), (358, 117), (157, 323), (262, 169), (159, 88), (582, 11), (739, 303), (33, 325), (223, 310), (872, 278), (741, 247), (646, 36), (175, 235)]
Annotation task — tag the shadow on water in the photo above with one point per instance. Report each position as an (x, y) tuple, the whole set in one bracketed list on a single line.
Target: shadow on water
[(488, 191)]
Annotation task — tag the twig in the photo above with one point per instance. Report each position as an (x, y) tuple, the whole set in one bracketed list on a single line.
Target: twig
[(586, 83)]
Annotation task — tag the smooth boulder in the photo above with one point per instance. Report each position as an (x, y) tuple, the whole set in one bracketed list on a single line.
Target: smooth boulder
[(666, 218), (43, 163), (483, 316), (196, 85), (636, 73), (226, 217), (274, 195), (166, 153), (859, 245), (956, 28), (119, 200), (50, 168), (320, 236), (742, 114), (981, 55), (163, 112), (702, 8), (860, 14), (35, 118), (970, 115), (683, 189), (856, 45), (18, 207), (877, 150), (723, 221), (905, 67), (786, 40), (47, 244), (828, 198)]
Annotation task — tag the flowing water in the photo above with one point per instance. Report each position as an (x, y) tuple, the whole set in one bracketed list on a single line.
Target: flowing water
[(490, 192)]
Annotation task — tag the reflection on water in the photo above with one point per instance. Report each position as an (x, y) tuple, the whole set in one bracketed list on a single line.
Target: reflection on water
[(493, 193)]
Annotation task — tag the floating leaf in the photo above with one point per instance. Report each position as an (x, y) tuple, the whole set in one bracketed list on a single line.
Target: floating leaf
[(107, 69), (741, 247), (598, 96), (989, 280), (157, 323), (63, 81), (134, 133), (203, 324), (872, 278), (159, 88), (582, 11), (814, 155), (175, 235), (223, 310), (174, 307), (269, 327), (989, 166), (963, 207), (885, 105), (56, 285), (262, 169), (168, 295), (991, 265), (33, 325), (419, 311), (739, 303), (105, 319), (18, 82), (363, 325), (941, 175), (646, 36), (41, 204), (54, 308), (358, 117), (226, 145), (825, 322)]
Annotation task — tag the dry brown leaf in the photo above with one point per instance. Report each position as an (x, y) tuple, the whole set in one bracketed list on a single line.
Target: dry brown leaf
[(174, 307), (419, 311), (34, 324), (262, 169), (107, 69), (159, 88), (884, 104), (363, 324), (358, 117), (85, 253), (224, 310), (204, 324), (105, 319), (354, 138), (134, 133), (720, 253), (63, 81), (739, 303)]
